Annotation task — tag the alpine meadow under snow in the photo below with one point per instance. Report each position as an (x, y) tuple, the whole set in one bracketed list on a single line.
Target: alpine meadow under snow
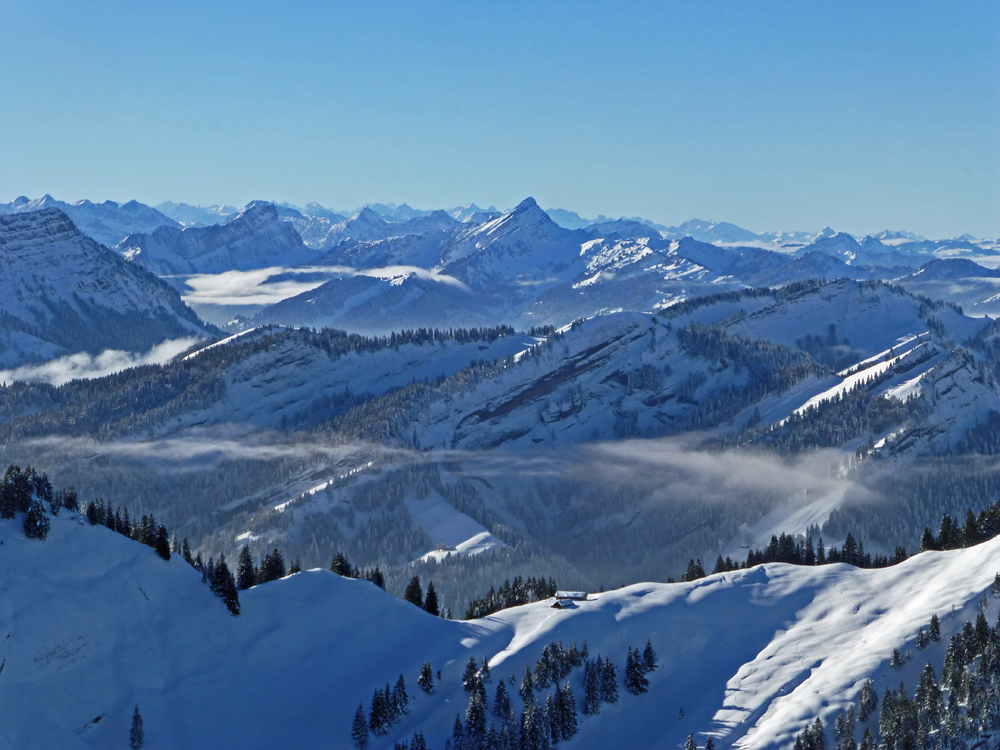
[(486, 479)]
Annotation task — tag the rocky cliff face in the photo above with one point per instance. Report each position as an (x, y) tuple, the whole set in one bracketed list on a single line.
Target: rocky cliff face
[(61, 291)]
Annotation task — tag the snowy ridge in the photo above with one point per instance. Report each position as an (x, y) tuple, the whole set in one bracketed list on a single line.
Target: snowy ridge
[(256, 238), (106, 222), (106, 624)]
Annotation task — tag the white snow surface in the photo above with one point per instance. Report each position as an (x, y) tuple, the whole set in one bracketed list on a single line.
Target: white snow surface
[(92, 624)]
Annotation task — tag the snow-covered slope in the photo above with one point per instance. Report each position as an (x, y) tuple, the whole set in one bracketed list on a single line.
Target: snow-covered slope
[(256, 238), (93, 624), (106, 222), (61, 291)]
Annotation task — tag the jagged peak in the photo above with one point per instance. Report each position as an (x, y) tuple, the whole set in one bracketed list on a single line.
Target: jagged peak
[(528, 204), (258, 209), (367, 215)]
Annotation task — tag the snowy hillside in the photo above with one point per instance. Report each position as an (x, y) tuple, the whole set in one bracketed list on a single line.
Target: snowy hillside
[(61, 292), (749, 658)]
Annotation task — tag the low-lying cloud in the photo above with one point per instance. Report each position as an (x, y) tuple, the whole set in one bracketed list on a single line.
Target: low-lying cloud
[(84, 366), (254, 287)]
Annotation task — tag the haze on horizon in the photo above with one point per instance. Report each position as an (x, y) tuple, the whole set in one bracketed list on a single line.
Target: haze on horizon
[(776, 116)]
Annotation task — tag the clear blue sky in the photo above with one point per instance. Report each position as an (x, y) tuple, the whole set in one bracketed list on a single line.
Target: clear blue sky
[(773, 115)]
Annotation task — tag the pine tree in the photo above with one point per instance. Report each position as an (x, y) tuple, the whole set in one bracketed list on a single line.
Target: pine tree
[(431, 601), (635, 681), (485, 675), (272, 567), (501, 703), (246, 571), (296, 567), (400, 697), (868, 702), (161, 542), (414, 594), (379, 715), (426, 678), (690, 744), (475, 715), (136, 735), (996, 585), (609, 681), (341, 565), (935, 629), (552, 719), (470, 677), (868, 741), (224, 586), (591, 688), (709, 743), (36, 521), (535, 734), (418, 742), (541, 676), (359, 732), (527, 689), (566, 711), (649, 657)]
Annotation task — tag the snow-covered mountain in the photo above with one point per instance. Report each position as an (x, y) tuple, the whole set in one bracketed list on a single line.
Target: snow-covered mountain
[(61, 292), (197, 216), (107, 625), (106, 222), (256, 238)]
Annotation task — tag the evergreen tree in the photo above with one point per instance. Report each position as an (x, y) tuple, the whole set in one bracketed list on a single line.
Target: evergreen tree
[(36, 521), (161, 542), (690, 744), (70, 499), (535, 733), (341, 565), (649, 657), (426, 678), (186, 552), (414, 594), (272, 567), (401, 698), (552, 719), (431, 601), (709, 743), (470, 678), (475, 715), (934, 631), (591, 688), (609, 681), (136, 735), (501, 703), (359, 732), (868, 702), (246, 571), (635, 681), (566, 711), (418, 742), (485, 675), (542, 677), (868, 741), (527, 689), (296, 567), (379, 716), (224, 586)]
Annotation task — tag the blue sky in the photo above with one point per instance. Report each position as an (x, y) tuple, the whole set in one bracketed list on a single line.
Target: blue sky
[(772, 115)]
